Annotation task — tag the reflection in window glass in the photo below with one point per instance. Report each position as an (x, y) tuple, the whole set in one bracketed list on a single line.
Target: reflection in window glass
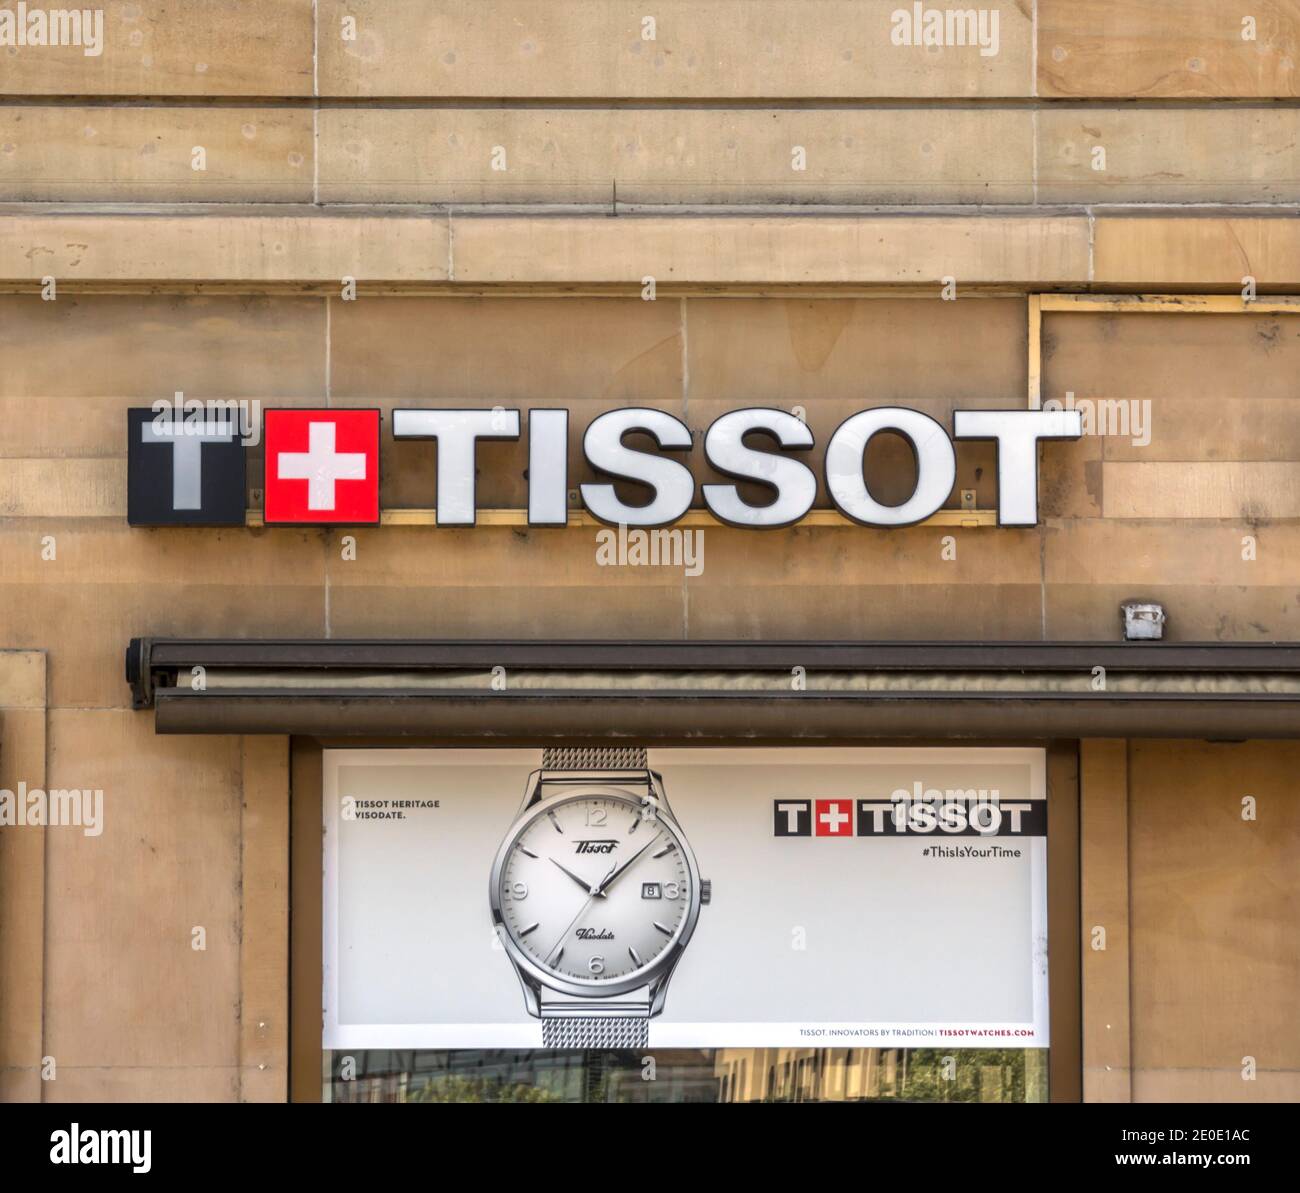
[(690, 1075)]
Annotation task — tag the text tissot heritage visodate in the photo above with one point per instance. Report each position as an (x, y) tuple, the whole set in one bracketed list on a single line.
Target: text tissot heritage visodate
[(595, 893)]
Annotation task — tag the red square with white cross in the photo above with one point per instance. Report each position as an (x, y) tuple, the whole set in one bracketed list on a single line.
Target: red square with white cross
[(833, 818), (322, 467)]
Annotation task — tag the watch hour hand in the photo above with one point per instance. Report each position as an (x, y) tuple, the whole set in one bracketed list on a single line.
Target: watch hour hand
[(582, 882)]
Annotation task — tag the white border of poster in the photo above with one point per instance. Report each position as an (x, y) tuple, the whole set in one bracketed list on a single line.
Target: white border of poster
[(525, 1033)]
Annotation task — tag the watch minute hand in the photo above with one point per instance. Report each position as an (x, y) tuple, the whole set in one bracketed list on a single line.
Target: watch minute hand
[(605, 883), (582, 882)]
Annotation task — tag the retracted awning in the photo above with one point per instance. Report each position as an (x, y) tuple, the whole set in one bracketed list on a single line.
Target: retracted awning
[(659, 690)]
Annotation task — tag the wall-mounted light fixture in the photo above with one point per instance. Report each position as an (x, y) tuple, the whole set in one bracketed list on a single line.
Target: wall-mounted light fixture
[(1143, 620)]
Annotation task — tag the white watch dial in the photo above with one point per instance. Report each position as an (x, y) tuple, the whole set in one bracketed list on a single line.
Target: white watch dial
[(594, 888)]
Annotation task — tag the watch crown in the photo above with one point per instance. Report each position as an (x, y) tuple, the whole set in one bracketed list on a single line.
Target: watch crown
[(706, 891)]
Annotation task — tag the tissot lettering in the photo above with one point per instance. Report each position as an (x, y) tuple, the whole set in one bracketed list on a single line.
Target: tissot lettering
[(952, 816), (323, 466), (187, 456), (548, 468), (596, 846), (936, 466), (792, 818), (921, 810), (670, 482), (792, 481), (184, 471), (1017, 434), (457, 433)]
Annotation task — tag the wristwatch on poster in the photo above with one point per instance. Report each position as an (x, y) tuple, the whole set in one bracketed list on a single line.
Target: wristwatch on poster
[(594, 894)]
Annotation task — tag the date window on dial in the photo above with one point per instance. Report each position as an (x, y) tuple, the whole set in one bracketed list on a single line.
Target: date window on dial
[(651, 890)]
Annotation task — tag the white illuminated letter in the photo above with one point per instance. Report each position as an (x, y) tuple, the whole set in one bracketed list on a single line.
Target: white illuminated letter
[(457, 432), (671, 482), (792, 481), (1017, 433), (936, 466), (548, 468)]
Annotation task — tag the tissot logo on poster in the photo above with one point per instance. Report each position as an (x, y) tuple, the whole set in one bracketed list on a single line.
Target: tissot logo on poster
[(968, 813)]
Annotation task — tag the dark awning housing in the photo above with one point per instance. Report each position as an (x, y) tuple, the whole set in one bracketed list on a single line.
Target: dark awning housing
[(674, 690)]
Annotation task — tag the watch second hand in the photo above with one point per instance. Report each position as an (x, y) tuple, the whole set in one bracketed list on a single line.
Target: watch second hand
[(597, 892), (563, 935)]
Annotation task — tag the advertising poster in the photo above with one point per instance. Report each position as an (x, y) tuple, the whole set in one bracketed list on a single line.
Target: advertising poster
[(702, 898)]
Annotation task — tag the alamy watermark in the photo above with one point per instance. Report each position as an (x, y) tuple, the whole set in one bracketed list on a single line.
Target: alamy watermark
[(85, 1145), (24, 26), (922, 25), (210, 417), (57, 808), (651, 548), (1118, 418)]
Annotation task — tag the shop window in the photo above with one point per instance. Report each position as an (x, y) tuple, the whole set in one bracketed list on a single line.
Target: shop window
[(689, 1075)]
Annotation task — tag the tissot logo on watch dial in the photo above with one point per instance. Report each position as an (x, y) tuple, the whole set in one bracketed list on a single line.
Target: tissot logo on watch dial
[(184, 472), (322, 466)]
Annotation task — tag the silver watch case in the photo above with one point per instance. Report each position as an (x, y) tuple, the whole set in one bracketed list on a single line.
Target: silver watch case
[(541, 795)]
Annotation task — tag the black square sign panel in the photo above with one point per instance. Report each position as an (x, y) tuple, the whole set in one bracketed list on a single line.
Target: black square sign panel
[(183, 473)]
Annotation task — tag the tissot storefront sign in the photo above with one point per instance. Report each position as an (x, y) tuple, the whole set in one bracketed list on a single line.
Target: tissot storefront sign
[(322, 465)]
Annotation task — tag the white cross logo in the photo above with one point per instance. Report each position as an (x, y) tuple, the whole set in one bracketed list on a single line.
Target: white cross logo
[(833, 817), (321, 466)]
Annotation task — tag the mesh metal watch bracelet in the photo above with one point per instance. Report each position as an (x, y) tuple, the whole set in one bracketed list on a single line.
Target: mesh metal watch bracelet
[(614, 1028), (610, 1025), (594, 758)]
